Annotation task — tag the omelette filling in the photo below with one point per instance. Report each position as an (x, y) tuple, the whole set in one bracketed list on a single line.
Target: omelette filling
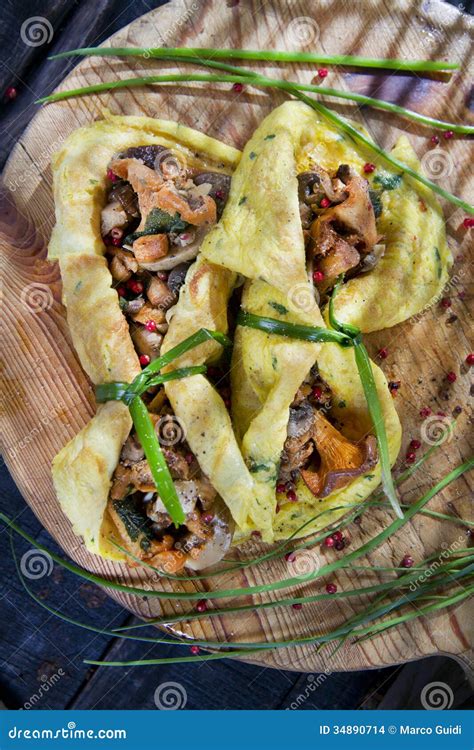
[(154, 221), (315, 449), (156, 215), (338, 215)]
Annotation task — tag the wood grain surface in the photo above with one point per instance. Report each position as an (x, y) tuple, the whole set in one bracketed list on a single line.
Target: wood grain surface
[(48, 398)]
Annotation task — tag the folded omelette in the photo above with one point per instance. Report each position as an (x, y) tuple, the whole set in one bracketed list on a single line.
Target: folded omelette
[(134, 198), (306, 201), (162, 231), (307, 208)]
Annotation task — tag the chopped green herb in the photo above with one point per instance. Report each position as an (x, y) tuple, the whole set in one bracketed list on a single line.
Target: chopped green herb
[(252, 155), (342, 404), (269, 137), (376, 200), (159, 222), (369, 476), (136, 523), (438, 262), (279, 308), (388, 181), (255, 467), (243, 200), (78, 286), (122, 303), (274, 362), (93, 182)]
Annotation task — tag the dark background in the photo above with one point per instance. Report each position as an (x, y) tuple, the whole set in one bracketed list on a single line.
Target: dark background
[(36, 645)]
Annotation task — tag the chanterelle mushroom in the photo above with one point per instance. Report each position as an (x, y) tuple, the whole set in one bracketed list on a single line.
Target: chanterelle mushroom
[(345, 232), (341, 460)]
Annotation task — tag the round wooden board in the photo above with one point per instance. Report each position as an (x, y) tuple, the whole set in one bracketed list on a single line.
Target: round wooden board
[(48, 398)]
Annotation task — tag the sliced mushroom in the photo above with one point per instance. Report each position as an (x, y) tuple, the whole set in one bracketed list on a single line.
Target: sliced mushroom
[(146, 313), (306, 215), (301, 420), (370, 260), (177, 276), (121, 482), (147, 342), (142, 478), (355, 215), (132, 451), (112, 216), (219, 187), (122, 265), (175, 256), (315, 185), (146, 154), (133, 306), (218, 541), (177, 464), (341, 258), (341, 460), (159, 294), (125, 195)]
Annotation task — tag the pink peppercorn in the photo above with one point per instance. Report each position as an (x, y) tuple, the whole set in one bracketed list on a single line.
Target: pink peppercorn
[(11, 93)]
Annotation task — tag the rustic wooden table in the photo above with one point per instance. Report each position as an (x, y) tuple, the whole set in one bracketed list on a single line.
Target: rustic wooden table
[(36, 648)]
